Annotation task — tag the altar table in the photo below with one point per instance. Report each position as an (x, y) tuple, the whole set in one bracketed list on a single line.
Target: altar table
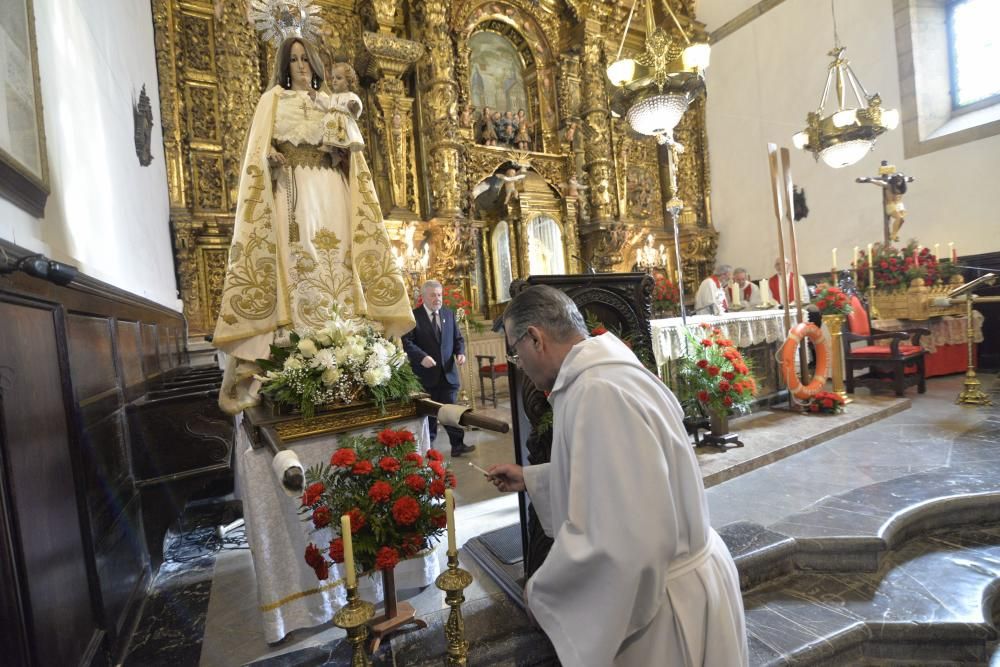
[(946, 349), (744, 328), (756, 333), (289, 595)]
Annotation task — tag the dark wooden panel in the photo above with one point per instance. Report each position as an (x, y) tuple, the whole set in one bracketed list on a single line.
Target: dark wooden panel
[(163, 349), (91, 359), (107, 471), (150, 356), (41, 499), (130, 357), (122, 568)]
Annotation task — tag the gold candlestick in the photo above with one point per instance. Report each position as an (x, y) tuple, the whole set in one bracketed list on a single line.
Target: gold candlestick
[(971, 393), (835, 323), (354, 617), (453, 581)]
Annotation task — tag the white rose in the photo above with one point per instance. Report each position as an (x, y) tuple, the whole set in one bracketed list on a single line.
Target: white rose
[(293, 364), (307, 347), (323, 338), (340, 353), (330, 376)]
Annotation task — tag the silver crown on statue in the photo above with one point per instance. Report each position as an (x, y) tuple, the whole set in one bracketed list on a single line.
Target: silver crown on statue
[(277, 20)]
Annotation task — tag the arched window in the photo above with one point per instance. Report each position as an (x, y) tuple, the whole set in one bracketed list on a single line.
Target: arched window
[(502, 274), (545, 248)]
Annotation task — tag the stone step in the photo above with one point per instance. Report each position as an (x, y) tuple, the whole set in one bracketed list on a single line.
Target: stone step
[(929, 600)]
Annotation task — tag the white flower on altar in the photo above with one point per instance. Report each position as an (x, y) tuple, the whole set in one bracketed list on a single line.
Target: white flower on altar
[(323, 337), (307, 347), (373, 377), (293, 363), (331, 376), (325, 358)]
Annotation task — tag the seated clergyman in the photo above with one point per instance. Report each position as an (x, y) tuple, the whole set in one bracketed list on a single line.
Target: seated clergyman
[(711, 296)]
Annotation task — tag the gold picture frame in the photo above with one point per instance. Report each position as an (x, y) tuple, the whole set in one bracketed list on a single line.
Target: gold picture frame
[(24, 169)]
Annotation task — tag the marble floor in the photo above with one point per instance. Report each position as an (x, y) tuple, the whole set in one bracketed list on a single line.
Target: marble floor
[(202, 610)]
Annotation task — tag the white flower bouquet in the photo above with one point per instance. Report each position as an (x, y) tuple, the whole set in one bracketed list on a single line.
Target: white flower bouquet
[(345, 361)]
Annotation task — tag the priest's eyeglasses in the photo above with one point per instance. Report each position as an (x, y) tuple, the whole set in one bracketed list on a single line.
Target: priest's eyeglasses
[(515, 358)]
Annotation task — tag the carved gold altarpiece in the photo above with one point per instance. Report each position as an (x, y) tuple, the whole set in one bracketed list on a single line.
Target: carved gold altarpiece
[(594, 188)]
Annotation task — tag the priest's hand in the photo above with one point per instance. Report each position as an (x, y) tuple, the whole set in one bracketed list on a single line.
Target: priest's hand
[(428, 362), (276, 158), (506, 476)]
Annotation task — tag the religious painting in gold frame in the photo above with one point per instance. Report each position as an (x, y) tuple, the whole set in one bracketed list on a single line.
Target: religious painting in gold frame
[(496, 78), (24, 171)]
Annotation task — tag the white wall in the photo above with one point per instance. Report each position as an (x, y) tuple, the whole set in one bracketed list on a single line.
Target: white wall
[(106, 214), (763, 80)]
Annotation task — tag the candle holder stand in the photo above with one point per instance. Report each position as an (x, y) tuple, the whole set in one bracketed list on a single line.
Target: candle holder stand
[(354, 617), (396, 614), (453, 581)]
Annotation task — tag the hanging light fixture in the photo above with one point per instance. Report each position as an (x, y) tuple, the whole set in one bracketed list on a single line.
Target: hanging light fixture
[(653, 90), (849, 133)]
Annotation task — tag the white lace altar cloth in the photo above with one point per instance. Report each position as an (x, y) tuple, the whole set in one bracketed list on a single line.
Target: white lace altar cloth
[(947, 330), (289, 595), (743, 328)]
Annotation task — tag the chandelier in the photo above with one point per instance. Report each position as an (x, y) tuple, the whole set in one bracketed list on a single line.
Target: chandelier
[(412, 260), (653, 90), (849, 133)]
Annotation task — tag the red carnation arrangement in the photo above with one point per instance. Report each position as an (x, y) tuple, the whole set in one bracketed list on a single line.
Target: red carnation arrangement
[(832, 301), (826, 402), (666, 296), (714, 373), (394, 496)]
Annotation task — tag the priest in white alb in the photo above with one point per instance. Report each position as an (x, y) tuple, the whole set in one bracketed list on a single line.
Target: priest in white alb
[(742, 291), (791, 284), (710, 299), (636, 576)]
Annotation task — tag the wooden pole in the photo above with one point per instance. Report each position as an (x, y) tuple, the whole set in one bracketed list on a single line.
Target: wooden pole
[(778, 200), (788, 191)]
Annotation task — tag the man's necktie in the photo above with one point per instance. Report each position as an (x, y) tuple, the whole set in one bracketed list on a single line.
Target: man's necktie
[(437, 324)]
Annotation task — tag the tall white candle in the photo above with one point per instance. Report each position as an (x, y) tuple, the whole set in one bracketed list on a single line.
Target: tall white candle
[(854, 257), (345, 533), (834, 265), (734, 292), (765, 292), (449, 505)]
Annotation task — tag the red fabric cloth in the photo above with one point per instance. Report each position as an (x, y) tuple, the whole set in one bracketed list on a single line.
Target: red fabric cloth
[(884, 350), (497, 368), (857, 321), (793, 288), (948, 359)]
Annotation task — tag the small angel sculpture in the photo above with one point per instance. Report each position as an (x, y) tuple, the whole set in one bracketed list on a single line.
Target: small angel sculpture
[(510, 179), (574, 187)]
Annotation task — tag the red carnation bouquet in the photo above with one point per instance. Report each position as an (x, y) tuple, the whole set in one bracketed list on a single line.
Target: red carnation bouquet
[(832, 301), (714, 373), (394, 496), (826, 402), (666, 296)]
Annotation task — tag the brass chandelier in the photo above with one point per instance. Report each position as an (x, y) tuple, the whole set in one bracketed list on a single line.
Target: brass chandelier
[(653, 90), (845, 136)]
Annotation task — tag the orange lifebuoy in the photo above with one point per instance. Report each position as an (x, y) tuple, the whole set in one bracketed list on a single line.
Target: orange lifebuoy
[(788, 352)]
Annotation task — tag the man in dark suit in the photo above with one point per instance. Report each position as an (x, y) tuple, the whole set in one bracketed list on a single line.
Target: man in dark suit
[(436, 349)]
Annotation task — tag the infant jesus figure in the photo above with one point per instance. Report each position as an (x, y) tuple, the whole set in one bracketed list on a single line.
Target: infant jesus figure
[(341, 122)]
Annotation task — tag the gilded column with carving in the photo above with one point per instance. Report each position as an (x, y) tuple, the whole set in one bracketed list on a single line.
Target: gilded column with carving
[(596, 121), (440, 110), (394, 153)]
